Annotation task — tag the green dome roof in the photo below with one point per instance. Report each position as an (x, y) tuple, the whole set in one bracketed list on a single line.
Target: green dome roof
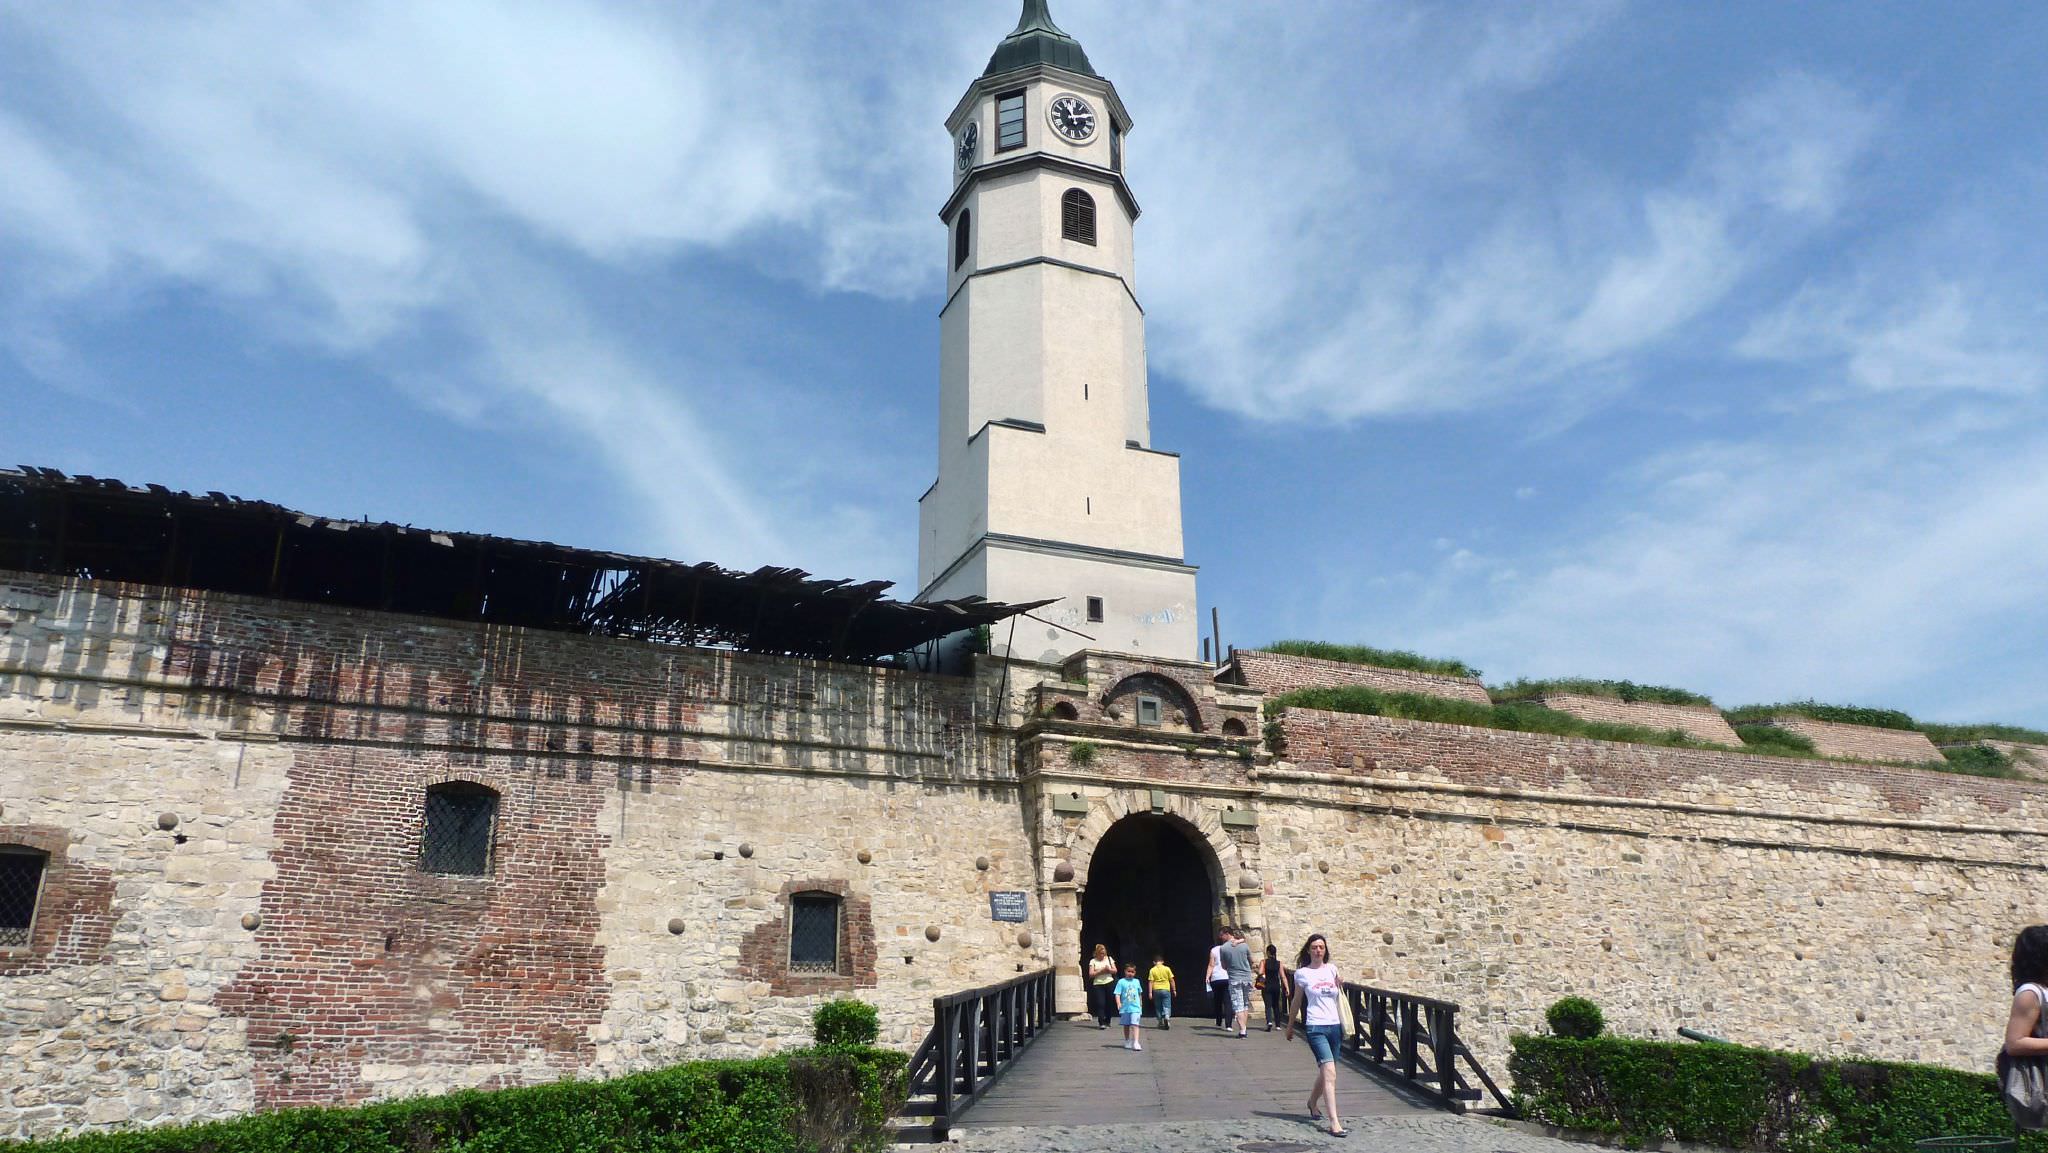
[(1037, 40)]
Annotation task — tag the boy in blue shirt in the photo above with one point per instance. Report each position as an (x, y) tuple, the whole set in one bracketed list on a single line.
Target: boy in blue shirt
[(1130, 1004)]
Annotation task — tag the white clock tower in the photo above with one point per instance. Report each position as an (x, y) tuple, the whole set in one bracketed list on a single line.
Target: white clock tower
[(1049, 486)]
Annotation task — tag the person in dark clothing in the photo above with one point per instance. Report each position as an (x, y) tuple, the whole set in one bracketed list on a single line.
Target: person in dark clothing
[(1219, 981), (1277, 988)]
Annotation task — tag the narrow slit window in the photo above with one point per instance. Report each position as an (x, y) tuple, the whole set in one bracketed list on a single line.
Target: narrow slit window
[(1077, 216), (1009, 121), (1094, 610), (814, 933), (456, 837), (963, 241), (1116, 150), (21, 883)]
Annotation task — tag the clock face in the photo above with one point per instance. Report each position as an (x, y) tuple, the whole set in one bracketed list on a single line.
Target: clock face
[(1072, 118), (970, 142)]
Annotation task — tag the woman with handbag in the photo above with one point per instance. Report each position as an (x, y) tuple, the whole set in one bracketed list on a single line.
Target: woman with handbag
[(1101, 986), (2023, 1063)]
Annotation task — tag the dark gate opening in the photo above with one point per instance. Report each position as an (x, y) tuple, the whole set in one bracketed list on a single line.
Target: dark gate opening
[(1149, 894)]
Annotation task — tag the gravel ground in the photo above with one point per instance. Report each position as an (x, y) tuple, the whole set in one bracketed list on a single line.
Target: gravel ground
[(1438, 1133)]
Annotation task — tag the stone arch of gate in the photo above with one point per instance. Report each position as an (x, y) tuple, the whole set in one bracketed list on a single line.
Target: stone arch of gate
[(1205, 828)]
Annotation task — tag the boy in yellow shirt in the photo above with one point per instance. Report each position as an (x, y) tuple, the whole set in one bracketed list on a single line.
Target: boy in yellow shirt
[(1163, 989)]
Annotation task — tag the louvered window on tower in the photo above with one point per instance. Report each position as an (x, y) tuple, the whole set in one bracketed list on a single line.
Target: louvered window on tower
[(1077, 216), (814, 933), (21, 881), (1009, 121), (962, 240), (456, 839)]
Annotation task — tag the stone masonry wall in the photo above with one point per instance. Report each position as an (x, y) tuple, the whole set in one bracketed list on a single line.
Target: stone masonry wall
[(1699, 721), (1276, 673), (279, 944), (1832, 908), (1861, 742)]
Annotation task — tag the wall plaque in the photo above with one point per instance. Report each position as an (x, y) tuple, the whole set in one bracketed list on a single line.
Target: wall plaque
[(1008, 906)]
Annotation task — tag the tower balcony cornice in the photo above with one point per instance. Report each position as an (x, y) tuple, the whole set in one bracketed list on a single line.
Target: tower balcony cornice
[(1029, 160)]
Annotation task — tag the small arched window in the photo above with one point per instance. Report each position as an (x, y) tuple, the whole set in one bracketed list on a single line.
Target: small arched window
[(1065, 711), (814, 933), (456, 834), (1077, 216), (1233, 728), (963, 239), (21, 883)]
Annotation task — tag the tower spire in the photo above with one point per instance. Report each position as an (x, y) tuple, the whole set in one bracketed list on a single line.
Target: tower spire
[(1037, 40)]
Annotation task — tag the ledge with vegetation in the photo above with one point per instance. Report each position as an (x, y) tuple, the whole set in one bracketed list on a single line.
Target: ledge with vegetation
[(836, 1098), (1628, 692), (1524, 717), (1378, 658)]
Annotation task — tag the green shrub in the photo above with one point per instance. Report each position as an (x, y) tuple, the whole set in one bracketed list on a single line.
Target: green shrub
[(1627, 691), (1959, 734), (845, 1023), (1378, 658), (1518, 717), (1839, 714), (1776, 741), (1575, 1017), (1740, 1098), (833, 1101), (1081, 752), (1977, 760)]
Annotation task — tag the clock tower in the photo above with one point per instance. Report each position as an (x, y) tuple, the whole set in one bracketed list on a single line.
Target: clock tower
[(1049, 486)]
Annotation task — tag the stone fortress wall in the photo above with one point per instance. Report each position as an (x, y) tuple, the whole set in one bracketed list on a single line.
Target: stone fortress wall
[(1701, 722), (230, 790)]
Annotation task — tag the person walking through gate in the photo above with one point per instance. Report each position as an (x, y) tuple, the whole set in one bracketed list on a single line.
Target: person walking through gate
[(1101, 979), (1163, 989), (1130, 1004), (1318, 999), (1219, 980), (2022, 1082), (1237, 966), (1274, 984)]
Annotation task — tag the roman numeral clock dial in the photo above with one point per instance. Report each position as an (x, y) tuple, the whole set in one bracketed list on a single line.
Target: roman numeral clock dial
[(1072, 118)]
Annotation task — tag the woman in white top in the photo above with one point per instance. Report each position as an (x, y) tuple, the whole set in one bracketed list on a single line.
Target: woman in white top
[(1318, 1001), (1101, 983), (2023, 1032)]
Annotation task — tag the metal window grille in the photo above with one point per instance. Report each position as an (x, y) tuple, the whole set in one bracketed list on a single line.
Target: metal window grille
[(1009, 121), (814, 933), (1077, 216), (21, 881), (457, 834), (961, 240)]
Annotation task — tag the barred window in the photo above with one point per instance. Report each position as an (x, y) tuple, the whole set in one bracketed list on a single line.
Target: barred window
[(21, 881), (1009, 121), (456, 838), (813, 933), (962, 241), (1077, 216)]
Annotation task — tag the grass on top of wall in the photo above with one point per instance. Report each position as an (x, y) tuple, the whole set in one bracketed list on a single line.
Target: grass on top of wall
[(1958, 734), (1814, 710), (1367, 655), (1530, 718), (1627, 692)]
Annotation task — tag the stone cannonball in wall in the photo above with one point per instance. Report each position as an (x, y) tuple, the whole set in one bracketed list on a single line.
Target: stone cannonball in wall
[(167, 821), (252, 921), (1248, 880), (863, 856), (931, 932), (747, 851), (1023, 938), (981, 863), (675, 926), (1063, 872)]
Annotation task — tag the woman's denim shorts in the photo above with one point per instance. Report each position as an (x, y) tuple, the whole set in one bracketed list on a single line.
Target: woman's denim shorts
[(1324, 1041)]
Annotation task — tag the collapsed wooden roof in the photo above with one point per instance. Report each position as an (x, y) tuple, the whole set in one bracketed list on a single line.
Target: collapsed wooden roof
[(106, 530)]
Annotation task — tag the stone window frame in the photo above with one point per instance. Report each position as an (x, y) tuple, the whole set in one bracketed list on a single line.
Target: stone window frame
[(463, 785), (41, 856)]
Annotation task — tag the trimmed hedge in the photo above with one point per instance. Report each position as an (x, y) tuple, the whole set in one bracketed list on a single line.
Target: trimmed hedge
[(1367, 655), (1628, 692), (1741, 1098), (845, 1023), (1814, 710), (829, 1101)]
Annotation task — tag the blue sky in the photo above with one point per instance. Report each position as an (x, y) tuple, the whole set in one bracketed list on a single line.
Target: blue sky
[(1700, 344)]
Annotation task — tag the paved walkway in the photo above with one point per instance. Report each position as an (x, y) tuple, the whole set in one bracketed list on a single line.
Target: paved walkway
[(1432, 1133), (1076, 1075)]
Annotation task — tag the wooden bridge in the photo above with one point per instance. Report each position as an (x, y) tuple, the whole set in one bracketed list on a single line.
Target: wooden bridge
[(1014, 1063)]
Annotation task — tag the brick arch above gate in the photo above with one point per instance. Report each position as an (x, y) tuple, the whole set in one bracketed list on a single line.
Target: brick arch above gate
[(1203, 826)]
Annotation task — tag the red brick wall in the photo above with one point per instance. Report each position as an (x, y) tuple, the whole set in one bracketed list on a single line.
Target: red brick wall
[(764, 951), (1861, 742), (1277, 673), (1381, 746), (74, 917), (1699, 721)]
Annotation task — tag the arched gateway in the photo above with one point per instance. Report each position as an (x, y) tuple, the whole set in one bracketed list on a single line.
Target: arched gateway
[(1152, 891)]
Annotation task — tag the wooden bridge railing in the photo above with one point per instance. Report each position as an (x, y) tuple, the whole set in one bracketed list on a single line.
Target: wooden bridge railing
[(975, 1037), (1416, 1039)]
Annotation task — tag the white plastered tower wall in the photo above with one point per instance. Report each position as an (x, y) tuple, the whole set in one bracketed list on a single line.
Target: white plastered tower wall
[(1048, 483)]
